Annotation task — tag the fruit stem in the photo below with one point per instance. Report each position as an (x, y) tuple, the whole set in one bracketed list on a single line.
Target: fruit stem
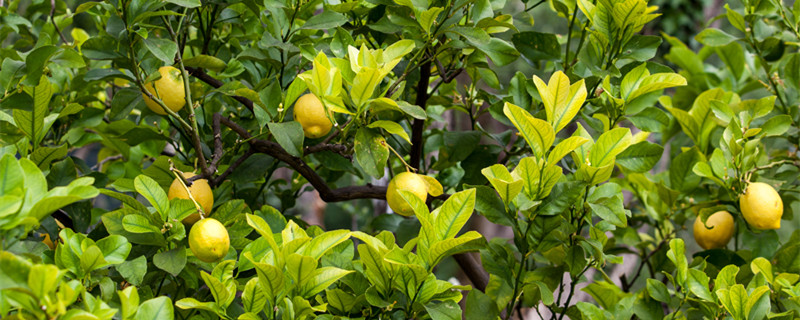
[(179, 175), (408, 167)]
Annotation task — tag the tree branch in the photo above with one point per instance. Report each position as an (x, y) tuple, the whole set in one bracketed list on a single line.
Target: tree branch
[(419, 125), (203, 76), (327, 194), (218, 180)]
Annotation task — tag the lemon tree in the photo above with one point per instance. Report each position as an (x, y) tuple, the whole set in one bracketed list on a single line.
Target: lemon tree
[(337, 159)]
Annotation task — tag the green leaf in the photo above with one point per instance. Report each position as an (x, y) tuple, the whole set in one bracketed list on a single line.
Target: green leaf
[(253, 298), (115, 248), (651, 119), (35, 63), (428, 17), (156, 308), (42, 157), (321, 244), (658, 290), (564, 194), (135, 223), (698, 284), (150, 190), (609, 145), (764, 267), (562, 101), (289, 135), (164, 50), (758, 303), (271, 280), (714, 37), (171, 261), (32, 122), (371, 151), (446, 310), (325, 20), (391, 127), (611, 210), (320, 279), (205, 62), (537, 46), (43, 278), (565, 147), (192, 303), (186, 3), (469, 241), (655, 82), (133, 271), (538, 133), (640, 157), (91, 258), (681, 176), (507, 187), (454, 213), (364, 84), (734, 300), (776, 126), (677, 255), (218, 289)]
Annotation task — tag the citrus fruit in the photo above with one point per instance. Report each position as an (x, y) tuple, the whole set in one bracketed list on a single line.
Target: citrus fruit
[(169, 89), (201, 192), (406, 181), (722, 228), (761, 206), (310, 113), (209, 240)]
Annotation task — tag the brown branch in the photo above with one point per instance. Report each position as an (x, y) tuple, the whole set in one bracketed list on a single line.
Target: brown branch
[(473, 269), (203, 76), (53, 19), (218, 180), (215, 127), (419, 125), (336, 148), (327, 194)]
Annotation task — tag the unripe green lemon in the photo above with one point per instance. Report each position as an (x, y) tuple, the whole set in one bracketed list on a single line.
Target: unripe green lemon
[(722, 229), (406, 181), (201, 192), (209, 240), (310, 113), (761, 206), (170, 91)]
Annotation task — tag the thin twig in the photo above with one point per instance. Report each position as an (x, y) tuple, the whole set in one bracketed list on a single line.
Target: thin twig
[(55, 25), (218, 180)]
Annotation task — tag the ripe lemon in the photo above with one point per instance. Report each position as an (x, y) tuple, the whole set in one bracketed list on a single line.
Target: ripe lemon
[(722, 228), (201, 192), (209, 240), (761, 206), (310, 113), (170, 91), (406, 181)]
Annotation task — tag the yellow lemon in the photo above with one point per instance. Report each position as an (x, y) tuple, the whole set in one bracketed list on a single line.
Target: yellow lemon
[(406, 181), (201, 192), (761, 206), (310, 113), (722, 229), (170, 91), (209, 240)]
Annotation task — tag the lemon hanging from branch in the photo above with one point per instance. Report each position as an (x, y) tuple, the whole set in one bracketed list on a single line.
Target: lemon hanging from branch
[(169, 89), (722, 229), (200, 192), (209, 240), (761, 206), (310, 113)]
